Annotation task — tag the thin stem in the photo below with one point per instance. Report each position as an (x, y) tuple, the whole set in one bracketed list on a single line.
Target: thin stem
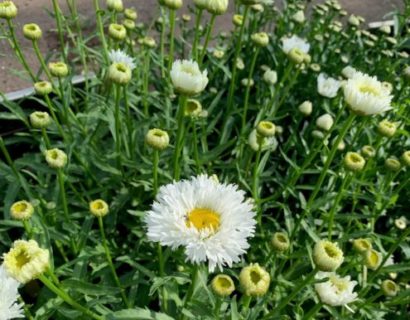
[(172, 36), (100, 28), (17, 50), (57, 13), (45, 137), (65, 297), (162, 43), (147, 60), (196, 36), (155, 171), (179, 143), (109, 260), (207, 38), (117, 125), (41, 60), (129, 121), (53, 115), (60, 177), (256, 173), (195, 146)]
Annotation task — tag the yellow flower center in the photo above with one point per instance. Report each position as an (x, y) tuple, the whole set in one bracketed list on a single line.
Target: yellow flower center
[(331, 251), (202, 218), (373, 258), (22, 258), (255, 276), (98, 205), (365, 88), (223, 282), (188, 69), (339, 284), (20, 207)]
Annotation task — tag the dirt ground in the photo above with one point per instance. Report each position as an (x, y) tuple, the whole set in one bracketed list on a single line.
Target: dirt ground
[(37, 11)]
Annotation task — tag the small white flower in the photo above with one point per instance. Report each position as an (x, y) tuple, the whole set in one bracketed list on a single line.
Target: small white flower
[(327, 86), (294, 42), (119, 56), (211, 220), (324, 122), (336, 291), (365, 95), (348, 72), (187, 78), (9, 308)]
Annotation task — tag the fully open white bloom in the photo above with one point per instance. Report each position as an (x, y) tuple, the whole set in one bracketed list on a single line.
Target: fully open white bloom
[(336, 291), (327, 86), (294, 42), (119, 56), (213, 221), (365, 95), (9, 308), (187, 78)]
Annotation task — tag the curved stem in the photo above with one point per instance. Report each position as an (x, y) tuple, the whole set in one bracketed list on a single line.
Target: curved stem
[(100, 28), (196, 36), (207, 38), (109, 260), (41, 60)]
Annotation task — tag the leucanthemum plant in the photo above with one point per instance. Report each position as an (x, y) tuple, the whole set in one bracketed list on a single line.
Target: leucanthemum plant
[(164, 170)]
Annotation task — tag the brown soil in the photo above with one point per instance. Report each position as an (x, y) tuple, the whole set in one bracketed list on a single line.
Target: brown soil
[(37, 11)]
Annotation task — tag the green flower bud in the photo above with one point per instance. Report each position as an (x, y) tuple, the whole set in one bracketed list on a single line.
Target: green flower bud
[(327, 256), (8, 10), (115, 5), (372, 259), (261, 39), (58, 69), (173, 4), (32, 31), (43, 88), (22, 210), (237, 20), (368, 152), (280, 241), (157, 139), (40, 120), (392, 164), (296, 56), (390, 288), (354, 161), (56, 158), (387, 128), (222, 285), (361, 245), (216, 7), (117, 31), (200, 4), (131, 13), (129, 24), (254, 280), (149, 42), (119, 73), (193, 108), (306, 108), (266, 129), (325, 122), (405, 158), (99, 208)]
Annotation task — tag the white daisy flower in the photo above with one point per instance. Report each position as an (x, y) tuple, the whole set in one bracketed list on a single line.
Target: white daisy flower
[(336, 291), (294, 42), (213, 221), (327, 86), (9, 308), (187, 78), (366, 95), (119, 56)]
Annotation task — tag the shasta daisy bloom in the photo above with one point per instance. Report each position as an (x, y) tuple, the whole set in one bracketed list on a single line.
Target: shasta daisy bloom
[(336, 291), (119, 56), (9, 308), (211, 220), (327, 86), (187, 78), (365, 95), (294, 42)]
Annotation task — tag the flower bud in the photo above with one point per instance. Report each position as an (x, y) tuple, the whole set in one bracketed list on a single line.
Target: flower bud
[(247, 82), (327, 255), (240, 64), (149, 42), (218, 54), (173, 4), (119, 73), (32, 31), (115, 5), (354, 21), (324, 122), (372, 259), (58, 69), (386, 128), (216, 7), (270, 77), (26, 261), (254, 280), (400, 223), (43, 88), (200, 4), (392, 164), (315, 67), (261, 39), (117, 31), (22, 210), (353, 161), (99, 208), (299, 17), (317, 134), (237, 20), (222, 285), (8, 10), (306, 108), (40, 119), (390, 288), (280, 241), (250, 2), (265, 129), (129, 24), (368, 152), (56, 158), (257, 8), (186, 17), (131, 14), (193, 108), (296, 55), (405, 158), (157, 139), (361, 245)]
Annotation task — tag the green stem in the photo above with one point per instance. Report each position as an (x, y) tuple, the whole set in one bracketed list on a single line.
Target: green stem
[(57, 13), (255, 179), (45, 137), (17, 50), (100, 28), (196, 36), (195, 147), (179, 143), (161, 263), (41, 60), (117, 125), (129, 121), (172, 36), (146, 82), (162, 43), (155, 171), (65, 297), (53, 115), (109, 260), (60, 177), (207, 38)]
